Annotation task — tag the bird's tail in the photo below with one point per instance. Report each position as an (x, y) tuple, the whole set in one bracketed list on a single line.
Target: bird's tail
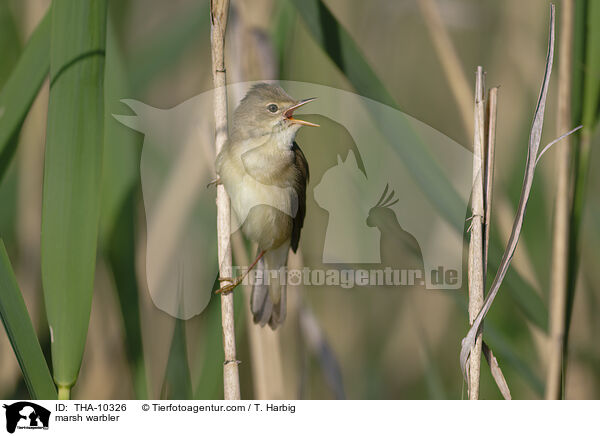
[(268, 301)]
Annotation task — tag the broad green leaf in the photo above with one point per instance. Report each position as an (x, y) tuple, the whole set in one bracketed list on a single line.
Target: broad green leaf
[(21, 89), (72, 177), (10, 48), (119, 176), (22, 335)]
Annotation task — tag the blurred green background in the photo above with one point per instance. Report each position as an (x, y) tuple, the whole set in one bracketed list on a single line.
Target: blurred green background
[(366, 346)]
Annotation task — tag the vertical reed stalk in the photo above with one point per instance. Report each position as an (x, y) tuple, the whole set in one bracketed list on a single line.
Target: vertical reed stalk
[(488, 182), (562, 207), (218, 25), (476, 266)]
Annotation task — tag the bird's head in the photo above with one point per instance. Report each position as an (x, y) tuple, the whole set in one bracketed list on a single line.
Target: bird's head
[(267, 109)]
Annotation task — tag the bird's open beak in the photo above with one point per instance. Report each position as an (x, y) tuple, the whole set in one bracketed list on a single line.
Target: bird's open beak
[(288, 113)]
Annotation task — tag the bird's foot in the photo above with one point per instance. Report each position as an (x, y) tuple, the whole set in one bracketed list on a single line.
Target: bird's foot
[(233, 283), (226, 289), (215, 182)]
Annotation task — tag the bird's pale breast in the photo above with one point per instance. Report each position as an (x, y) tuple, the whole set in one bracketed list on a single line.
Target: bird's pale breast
[(265, 208)]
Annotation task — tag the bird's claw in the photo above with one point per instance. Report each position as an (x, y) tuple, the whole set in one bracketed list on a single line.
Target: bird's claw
[(226, 289), (215, 182)]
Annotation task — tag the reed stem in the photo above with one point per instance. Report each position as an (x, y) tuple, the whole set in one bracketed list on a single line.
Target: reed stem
[(218, 21), (562, 209), (476, 266)]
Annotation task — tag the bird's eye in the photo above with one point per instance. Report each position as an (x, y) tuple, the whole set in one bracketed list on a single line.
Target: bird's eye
[(272, 108)]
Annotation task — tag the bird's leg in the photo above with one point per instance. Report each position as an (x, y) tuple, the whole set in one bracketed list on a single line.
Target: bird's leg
[(216, 181), (233, 283)]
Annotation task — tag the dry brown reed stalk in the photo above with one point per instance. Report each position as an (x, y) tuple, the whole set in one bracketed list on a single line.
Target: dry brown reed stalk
[(488, 181), (218, 25), (459, 85), (468, 343), (562, 207), (475, 263)]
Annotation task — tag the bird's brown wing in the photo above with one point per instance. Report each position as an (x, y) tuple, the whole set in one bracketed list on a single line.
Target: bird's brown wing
[(300, 187)]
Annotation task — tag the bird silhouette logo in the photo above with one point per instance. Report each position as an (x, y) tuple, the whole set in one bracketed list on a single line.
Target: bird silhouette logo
[(397, 247)]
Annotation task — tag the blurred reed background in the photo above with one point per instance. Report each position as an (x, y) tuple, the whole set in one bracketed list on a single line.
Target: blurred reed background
[(339, 343)]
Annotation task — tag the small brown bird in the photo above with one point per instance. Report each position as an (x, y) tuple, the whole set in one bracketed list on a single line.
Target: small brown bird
[(265, 175)]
